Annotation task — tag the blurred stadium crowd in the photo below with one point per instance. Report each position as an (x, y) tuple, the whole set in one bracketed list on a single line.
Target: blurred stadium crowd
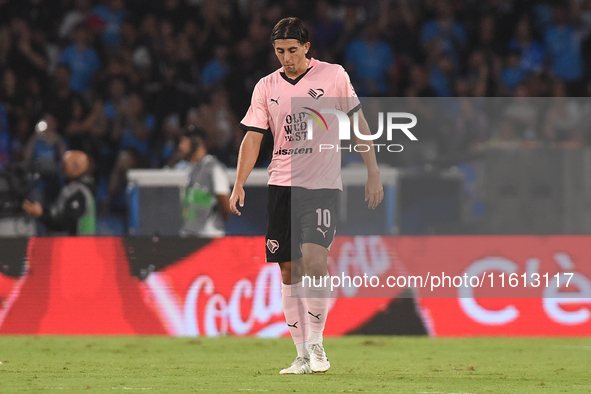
[(122, 79)]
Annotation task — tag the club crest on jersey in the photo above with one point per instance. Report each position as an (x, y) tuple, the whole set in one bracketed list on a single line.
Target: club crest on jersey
[(272, 245), (316, 93)]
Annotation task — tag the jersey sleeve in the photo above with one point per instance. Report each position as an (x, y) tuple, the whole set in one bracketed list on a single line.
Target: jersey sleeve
[(348, 102), (256, 118)]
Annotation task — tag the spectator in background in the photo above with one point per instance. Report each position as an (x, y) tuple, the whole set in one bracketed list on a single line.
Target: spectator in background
[(478, 75), (5, 139), (11, 97), (352, 25), (41, 14), (171, 94), (148, 33), (419, 83), (61, 97), (82, 59), (166, 50), (218, 122), (532, 53), (42, 154), (111, 14), (73, 212), (443, 75), (115, 98), (27, 58), (206, 205), (563, 44), (370, 61), (327, 31), (488, 38), (399, 27), (73, 18), (444, 34), (165, 154), (78, 130), (5, 47), (133, 130), (33, 100), (585, 31), (243, 75), (512, 73), (215, 29), (134, 47), (216, 70), (175, 11)]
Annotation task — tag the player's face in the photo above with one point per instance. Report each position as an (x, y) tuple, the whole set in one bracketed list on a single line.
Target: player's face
[(292, 55)]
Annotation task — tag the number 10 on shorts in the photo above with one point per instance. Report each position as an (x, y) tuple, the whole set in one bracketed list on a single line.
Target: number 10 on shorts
[(323, 217)]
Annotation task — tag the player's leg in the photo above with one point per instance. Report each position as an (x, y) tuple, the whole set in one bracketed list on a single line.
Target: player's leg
[(278, 241), (318, 230), (318, 302), (294, 310)]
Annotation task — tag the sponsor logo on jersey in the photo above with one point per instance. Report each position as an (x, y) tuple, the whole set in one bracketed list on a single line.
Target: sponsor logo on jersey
[(293, 151)]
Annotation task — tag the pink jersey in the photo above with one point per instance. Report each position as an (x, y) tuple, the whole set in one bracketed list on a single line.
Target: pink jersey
[(298, 161)]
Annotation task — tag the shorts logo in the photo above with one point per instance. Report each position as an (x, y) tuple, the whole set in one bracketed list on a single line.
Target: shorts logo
[(323, 232), (272, 245)]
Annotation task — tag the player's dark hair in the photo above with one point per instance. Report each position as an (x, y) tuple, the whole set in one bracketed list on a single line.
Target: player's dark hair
[(290, 28)]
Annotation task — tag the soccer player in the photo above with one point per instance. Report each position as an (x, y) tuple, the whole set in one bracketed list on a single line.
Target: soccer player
[(303, 183)]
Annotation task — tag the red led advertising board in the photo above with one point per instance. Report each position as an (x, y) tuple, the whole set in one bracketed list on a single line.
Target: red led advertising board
[(460, 286)]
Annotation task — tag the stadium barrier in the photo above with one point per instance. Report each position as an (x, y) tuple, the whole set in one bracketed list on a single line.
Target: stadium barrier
[(414, 202), (190, 287)]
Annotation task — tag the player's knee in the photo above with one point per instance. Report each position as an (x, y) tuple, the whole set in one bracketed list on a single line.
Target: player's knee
[(286, 274), (291, 272), (316, 266)]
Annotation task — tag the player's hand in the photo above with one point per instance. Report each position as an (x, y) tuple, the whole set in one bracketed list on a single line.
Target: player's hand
[(237, 197), (374, 192), (32, 208)]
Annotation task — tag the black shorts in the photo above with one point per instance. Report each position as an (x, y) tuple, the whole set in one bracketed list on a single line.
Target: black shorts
[(296, 216)]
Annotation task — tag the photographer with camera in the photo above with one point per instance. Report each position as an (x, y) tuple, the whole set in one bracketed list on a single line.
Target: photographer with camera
[(74, 210), (206, 202)]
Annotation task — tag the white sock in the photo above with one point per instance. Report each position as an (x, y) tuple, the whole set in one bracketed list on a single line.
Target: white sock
[(314, 337), (318, 302), (294, 309), (302, 349)]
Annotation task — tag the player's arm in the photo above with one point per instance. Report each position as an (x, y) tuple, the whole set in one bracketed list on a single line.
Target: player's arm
[(374, 192), (247, 157)]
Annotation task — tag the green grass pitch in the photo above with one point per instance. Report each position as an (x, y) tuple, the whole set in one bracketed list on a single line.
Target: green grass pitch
[(359, 364)]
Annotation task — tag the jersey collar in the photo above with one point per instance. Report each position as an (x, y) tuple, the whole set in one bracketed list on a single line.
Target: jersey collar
[(295, 81)]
